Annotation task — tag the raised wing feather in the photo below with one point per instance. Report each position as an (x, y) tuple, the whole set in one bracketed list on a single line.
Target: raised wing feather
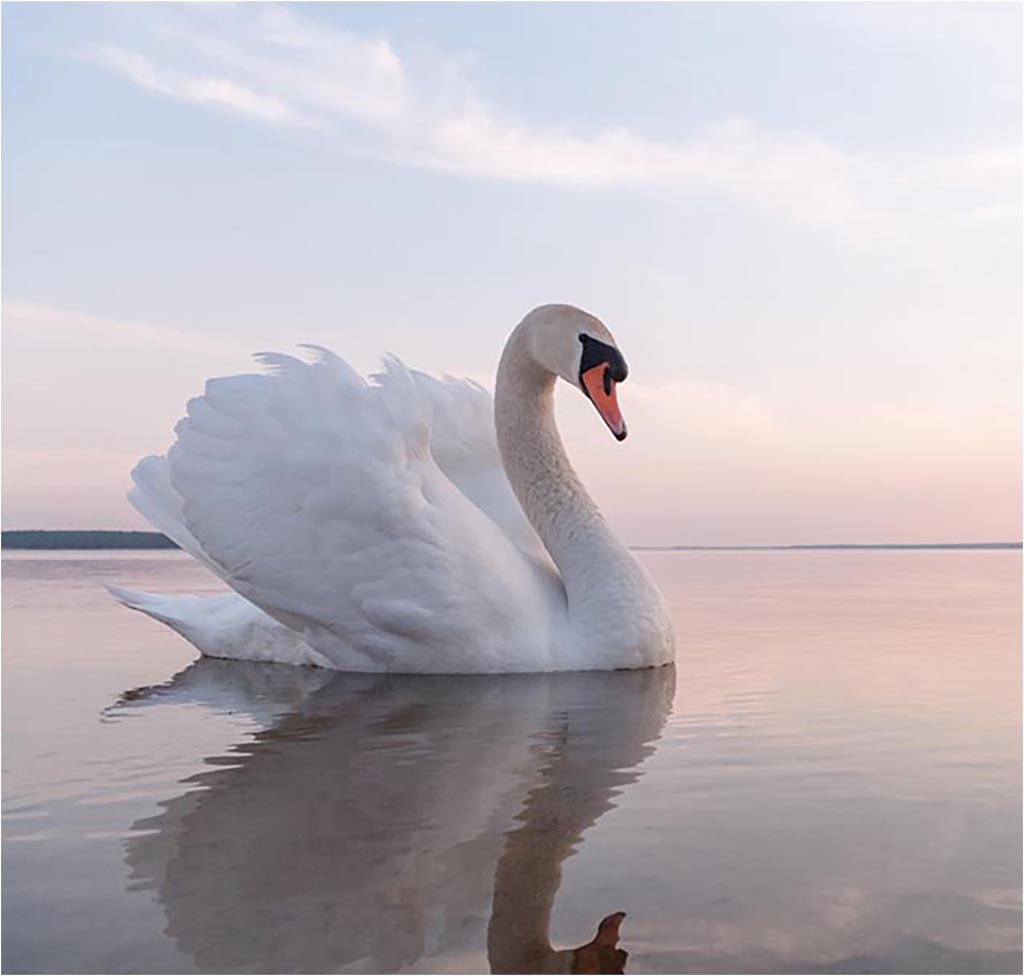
[(314, 493), (464, 445)]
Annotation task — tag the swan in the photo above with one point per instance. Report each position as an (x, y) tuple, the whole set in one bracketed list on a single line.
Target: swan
[(403, 523)]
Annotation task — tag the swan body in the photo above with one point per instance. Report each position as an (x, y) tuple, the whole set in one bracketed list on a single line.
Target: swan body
[(403, 523)]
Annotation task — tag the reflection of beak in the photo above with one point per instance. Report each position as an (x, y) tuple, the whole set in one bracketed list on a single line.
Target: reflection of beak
[(602, 953), (608, 930), (600, 387)]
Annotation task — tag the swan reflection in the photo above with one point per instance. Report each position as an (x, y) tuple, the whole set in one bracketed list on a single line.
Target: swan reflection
[(382, 822)]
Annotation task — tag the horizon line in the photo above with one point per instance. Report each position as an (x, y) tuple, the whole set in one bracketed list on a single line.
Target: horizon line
[(836, 545), (148, 535)]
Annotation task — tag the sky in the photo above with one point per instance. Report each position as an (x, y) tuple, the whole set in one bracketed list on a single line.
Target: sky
[(802, 222)]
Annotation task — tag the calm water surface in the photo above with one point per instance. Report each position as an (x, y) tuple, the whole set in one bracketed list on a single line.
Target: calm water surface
[(829, 780)]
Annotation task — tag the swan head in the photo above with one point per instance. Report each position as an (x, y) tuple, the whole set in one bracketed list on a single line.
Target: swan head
[(602, 953), (578, 347)]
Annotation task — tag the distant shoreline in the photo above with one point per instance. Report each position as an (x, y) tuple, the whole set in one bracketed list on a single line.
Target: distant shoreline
[(54, 539), (82, 539)]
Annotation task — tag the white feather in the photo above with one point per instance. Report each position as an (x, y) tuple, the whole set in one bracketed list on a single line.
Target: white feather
[(317, 497), (369, 524)]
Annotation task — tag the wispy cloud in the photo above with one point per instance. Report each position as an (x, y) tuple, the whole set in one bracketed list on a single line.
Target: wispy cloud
[(206, 90), (37, 318), (283, 68)]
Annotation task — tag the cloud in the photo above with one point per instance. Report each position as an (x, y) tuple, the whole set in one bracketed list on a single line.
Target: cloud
[(207, 90), (283, 68), (35, 318), (332, 72)]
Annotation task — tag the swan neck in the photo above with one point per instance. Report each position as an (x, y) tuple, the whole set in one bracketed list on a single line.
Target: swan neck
[(574, 532)]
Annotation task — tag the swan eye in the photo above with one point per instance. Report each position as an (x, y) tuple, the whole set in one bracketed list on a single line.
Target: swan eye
[(597, 353)]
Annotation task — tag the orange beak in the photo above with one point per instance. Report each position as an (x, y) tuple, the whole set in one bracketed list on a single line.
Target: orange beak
[(600, 387)]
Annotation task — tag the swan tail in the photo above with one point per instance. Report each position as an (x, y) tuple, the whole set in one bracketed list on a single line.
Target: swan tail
[(223, 625), (180, 613)]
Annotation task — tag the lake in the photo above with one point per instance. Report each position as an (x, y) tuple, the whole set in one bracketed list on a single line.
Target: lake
[(829, 780)]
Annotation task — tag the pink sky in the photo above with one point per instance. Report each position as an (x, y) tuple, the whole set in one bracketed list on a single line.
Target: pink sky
[(704, 464)]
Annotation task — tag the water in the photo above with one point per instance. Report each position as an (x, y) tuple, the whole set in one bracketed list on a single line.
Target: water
[(829, 780)]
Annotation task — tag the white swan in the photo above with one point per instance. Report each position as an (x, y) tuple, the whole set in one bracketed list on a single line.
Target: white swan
[(374, 525)]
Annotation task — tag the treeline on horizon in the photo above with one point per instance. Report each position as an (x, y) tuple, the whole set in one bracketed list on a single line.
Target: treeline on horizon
[(82, 539)]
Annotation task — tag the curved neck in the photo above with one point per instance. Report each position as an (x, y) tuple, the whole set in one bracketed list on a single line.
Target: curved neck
[(596, 568)]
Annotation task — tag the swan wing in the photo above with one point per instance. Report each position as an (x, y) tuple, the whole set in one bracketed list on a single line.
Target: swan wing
[(314, 494), (155, 498), (464, 445)]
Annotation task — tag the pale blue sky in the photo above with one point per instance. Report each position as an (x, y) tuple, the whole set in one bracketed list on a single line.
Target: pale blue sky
[(802, 221)]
